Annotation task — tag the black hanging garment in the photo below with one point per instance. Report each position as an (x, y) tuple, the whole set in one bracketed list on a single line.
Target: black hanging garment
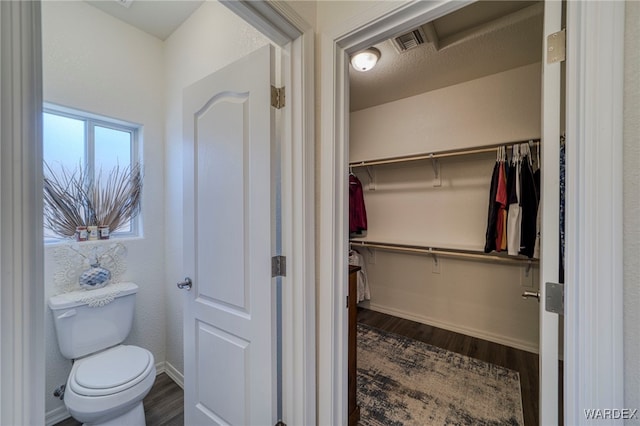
[(562, 207), (494, 207), (529, 204)]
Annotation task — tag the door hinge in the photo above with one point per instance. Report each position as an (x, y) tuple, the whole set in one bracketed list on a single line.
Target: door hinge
[(277, 97), (278, 266), (556, 47), (554, 298)]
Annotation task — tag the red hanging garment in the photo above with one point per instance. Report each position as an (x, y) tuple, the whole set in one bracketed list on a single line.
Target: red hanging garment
[(501, 199), (357, 211)]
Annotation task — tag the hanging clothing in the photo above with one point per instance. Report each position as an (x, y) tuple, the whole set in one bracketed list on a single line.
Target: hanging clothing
[(357, 210), (363, 292), (536, 247), (536, 178), (529, 205), (562, 207), (514, 219), (491, 234), (501, 202)]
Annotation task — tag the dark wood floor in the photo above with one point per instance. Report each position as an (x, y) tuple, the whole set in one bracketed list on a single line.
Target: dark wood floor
[(526, 363), (164, 406)]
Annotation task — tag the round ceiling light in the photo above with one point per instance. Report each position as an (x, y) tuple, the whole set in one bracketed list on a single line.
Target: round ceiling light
[(365, 59)]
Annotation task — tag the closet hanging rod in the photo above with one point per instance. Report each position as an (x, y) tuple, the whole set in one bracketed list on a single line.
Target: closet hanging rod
[(438, 154), (468, 254)]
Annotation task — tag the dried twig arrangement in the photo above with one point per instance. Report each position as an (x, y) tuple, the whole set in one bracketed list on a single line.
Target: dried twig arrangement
[(74, 199)]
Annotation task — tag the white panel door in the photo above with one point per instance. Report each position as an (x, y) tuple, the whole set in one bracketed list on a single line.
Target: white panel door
[(550, 322), (229, 327)]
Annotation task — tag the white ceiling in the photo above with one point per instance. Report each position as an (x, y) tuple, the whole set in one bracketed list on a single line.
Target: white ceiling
[(159, 18), (484, 38)]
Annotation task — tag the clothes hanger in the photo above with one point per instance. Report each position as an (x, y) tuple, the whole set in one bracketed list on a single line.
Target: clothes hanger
[(528, 153), (515, 154), (352, 174)]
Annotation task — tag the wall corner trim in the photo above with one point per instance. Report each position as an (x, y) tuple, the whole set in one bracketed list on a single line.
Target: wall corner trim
[(22, 364), (594, 343)]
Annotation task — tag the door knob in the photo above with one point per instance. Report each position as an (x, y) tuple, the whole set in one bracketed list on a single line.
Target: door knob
[(533, 294), (186, 284)]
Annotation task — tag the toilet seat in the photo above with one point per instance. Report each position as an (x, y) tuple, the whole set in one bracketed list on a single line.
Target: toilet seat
[(111, 371), (96, 402)]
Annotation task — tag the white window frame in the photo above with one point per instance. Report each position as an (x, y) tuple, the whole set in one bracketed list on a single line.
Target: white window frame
[(91, 121)]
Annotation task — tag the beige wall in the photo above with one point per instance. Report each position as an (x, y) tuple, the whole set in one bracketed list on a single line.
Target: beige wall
[(334, 14), (481, 299), (499, 108), (632, 206)]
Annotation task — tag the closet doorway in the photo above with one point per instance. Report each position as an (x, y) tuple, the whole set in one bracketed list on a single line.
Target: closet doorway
[(446, 102)]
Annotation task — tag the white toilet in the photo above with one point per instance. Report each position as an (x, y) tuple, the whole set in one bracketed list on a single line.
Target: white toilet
[(108, 380)]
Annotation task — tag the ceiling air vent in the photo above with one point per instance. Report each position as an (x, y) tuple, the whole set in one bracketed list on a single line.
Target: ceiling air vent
[(409, 40)]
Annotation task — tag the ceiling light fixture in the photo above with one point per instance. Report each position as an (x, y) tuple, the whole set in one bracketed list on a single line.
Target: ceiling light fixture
[(365, 59)]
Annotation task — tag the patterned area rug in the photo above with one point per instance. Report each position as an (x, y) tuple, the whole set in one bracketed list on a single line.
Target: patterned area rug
[(402, 381)]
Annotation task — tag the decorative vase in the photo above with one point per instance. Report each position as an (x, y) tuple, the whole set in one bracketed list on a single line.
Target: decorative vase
[(95, 277)]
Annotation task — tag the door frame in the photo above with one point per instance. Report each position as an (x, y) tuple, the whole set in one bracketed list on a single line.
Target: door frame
[(598, 301), (22, 360), (593, 352), (285, 28)]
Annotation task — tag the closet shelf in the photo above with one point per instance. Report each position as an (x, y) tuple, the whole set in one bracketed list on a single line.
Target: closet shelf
[(436, 154), (439, 251)]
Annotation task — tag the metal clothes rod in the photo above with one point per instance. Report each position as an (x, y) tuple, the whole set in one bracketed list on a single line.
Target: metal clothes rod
[(468, 254), (439, 154)]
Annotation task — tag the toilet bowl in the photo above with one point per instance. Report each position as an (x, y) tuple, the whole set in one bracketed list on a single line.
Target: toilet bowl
[(107, 388), (108, 380)]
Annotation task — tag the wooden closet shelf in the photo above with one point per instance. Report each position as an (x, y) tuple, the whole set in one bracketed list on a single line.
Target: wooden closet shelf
[(436, 155), (437, 251)]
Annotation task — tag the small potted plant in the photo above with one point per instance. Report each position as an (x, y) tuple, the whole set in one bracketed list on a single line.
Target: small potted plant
[(73, 199)]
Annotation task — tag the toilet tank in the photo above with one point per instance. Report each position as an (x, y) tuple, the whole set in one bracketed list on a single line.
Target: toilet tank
[(87, 321)]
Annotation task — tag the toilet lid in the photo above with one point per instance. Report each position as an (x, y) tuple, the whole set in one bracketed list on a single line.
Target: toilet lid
[(110, 371)]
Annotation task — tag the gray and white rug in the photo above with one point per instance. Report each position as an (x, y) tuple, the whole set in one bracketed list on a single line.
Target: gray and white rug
[(402, 381)]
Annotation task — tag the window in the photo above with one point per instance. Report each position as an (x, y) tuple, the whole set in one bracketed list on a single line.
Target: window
[(73, 139)]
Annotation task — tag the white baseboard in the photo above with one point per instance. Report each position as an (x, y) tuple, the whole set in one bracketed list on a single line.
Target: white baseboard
[(481, 334), (174, 374), (56, 415)]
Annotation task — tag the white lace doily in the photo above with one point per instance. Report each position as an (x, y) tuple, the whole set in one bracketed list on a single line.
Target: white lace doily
[(95, 298), (73, 259)]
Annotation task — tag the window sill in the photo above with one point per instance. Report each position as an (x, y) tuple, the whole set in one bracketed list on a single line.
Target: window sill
[(52, 242)]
